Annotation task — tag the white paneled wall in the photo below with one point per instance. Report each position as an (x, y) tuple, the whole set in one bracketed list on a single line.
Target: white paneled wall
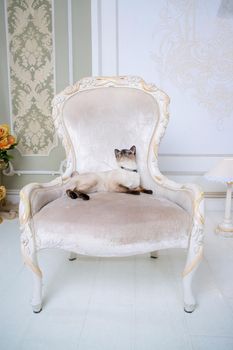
[(185, 48)]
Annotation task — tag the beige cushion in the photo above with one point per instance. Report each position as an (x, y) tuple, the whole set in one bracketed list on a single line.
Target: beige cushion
[(112, 224)]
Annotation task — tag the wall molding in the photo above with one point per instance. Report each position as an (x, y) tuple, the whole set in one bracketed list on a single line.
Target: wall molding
[(8, 64), (183, 173), (105, 37), (96, 33), (185, 164), (195, 155), (54, 48), (213, 201), (36, 172), (10, 171), (215, 195), (117, 37), (70, 41)]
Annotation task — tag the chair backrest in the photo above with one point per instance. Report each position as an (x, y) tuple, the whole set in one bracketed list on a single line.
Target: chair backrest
[(97, 115)]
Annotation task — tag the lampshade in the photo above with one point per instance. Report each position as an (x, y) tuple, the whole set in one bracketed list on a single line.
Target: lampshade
[(222, 172)]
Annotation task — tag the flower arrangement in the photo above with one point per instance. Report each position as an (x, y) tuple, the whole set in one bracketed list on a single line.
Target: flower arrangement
[(7, 142), (2, 193)]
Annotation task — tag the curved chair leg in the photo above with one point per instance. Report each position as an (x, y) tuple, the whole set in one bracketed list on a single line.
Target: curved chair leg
[(36, 301), (193, 261), (154, 254), (189, 299), (37, 294), (73, 256)]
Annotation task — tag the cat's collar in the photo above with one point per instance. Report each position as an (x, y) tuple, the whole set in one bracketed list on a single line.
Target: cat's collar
[(128, 169)]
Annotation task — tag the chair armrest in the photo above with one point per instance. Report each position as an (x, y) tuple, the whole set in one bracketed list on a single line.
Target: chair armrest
[(34, 196), (189, 196)]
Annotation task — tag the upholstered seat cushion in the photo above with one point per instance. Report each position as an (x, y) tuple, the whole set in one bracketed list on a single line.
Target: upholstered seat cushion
[(112, 224)]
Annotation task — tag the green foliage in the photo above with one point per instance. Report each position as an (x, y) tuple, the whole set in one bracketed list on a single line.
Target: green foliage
[(5, 156)]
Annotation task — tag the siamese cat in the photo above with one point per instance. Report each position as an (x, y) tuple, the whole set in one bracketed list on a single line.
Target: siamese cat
[(125, 179)]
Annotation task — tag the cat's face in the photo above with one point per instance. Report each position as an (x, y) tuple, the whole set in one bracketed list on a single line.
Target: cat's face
[(125, 154)]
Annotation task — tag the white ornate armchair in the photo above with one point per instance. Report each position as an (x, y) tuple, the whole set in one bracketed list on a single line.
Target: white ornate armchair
[(93, 117)]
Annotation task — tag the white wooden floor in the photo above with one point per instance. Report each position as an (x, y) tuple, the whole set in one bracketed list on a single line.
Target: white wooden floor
[(116, 304)]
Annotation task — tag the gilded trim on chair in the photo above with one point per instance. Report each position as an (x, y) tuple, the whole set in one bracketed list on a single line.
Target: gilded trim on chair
[(194, 263), (31, 265), (24, 216), (197, 206)]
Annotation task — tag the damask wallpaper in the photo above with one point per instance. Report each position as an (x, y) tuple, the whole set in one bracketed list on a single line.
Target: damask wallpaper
[(186, 48), (30, 41), (194, 52)]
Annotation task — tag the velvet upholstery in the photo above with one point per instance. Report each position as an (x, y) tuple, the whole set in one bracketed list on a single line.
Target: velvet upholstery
[(100, 120), (112, 224)]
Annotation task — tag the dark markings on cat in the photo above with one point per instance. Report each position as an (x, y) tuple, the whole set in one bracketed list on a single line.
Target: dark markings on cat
[(125, 179)]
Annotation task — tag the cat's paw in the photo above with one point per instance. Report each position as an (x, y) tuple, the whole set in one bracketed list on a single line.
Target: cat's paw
[(71, 194), (148, 191), (84, 196), (137, 193)]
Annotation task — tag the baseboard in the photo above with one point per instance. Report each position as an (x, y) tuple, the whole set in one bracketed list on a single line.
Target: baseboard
[(214, 201)]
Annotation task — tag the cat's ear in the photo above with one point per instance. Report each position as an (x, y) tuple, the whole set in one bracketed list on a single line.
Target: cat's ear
[(133, 149), (117, 152)]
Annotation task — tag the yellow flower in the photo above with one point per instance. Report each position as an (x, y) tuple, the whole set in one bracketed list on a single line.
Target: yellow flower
[(2, 192), (4, 131), (11, 140), (4, 143)]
